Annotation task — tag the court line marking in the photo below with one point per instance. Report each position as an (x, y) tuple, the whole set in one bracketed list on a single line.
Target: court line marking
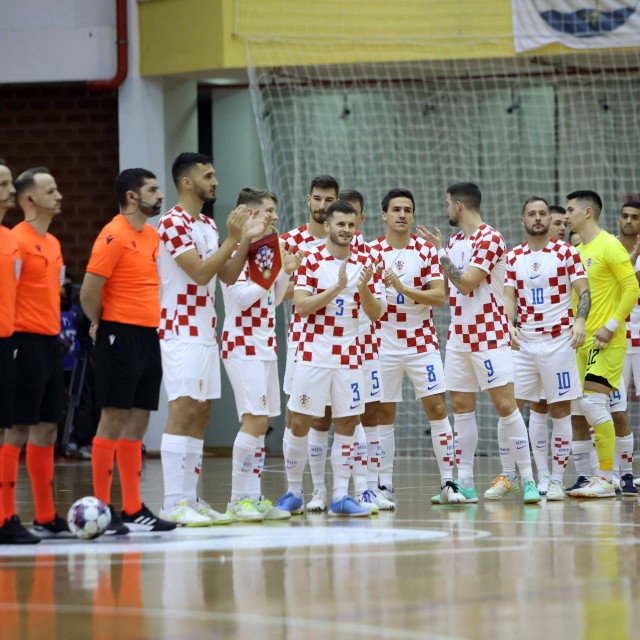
[(324, 625)]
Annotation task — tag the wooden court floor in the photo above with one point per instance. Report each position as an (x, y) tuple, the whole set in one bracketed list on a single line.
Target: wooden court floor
[(493, 570)]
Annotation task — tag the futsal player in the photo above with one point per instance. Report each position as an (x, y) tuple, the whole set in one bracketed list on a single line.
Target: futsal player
[(478, 347), (409, 343), (614, 293), (541, 274), (37, 353), (558, 226), (249, 354), (191, 259), (331, 290), (121, 295)]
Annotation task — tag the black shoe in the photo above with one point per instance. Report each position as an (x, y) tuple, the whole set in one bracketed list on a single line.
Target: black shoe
[(582, 481), (144, 520), (12, 532), (627, 488), (116, 527), (57, 528)]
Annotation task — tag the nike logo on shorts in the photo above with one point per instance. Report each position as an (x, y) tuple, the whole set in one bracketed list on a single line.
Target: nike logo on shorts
[(490, 380), (561, 393), (354, 406), (433, 386)]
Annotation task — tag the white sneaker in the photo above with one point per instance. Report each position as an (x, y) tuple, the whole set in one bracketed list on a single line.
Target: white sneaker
[(206, 510), (597, 488), (449, 494), (501, 487), (555, 490), (318, 502), (543, 484), (269, 511), (365, 499), (244, 510), (383, 503), (389, 494), (184, 515)]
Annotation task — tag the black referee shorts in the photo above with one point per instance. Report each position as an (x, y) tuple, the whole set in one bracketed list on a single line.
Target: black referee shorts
[(128, 366), (7, 382), (39, 378)]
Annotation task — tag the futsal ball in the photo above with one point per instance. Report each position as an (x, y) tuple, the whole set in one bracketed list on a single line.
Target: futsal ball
[(88, 517)]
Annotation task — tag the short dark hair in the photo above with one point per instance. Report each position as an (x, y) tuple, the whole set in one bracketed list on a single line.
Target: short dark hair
[(185, 162), (26, 179), (556, 208), (324, 182), (252, 195), (131, 180), (591, 197), (466, 192), (397, 193), (339, 206), (533, 199), (634, 204), (351, 195)]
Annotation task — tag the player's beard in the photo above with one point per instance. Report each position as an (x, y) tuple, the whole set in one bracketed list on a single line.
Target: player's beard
[(541, 231), (319, 215), (203, 194), (628, 232), (338, 240)]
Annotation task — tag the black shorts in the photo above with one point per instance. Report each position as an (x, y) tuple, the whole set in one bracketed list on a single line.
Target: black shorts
[(7, 382), (39, 378), (128, 366)]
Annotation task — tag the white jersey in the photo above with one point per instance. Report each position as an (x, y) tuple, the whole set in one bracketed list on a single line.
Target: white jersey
[(330, 335), (369, 332), (407, 326), (188, 311), (478, 320), (633, 324), (542, 280)]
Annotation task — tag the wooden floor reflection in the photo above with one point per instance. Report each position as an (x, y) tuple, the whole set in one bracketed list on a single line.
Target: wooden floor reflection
[(492, 570)]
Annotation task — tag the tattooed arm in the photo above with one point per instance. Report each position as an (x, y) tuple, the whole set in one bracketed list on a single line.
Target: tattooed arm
[(578, 331)]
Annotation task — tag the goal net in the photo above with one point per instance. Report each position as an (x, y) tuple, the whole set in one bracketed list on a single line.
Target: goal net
[(517, 126)]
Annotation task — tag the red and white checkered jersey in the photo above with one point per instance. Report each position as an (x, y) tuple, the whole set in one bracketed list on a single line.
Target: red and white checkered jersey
[(542, 280), (406, 325), (478, 320), (301, 239), (369, 332), (330, 335), (188, 311), (249, 330), (633, 324)]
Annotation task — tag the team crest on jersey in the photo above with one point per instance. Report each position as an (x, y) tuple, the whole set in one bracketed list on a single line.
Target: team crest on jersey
[(589, 262), (263, 401), (304, 400), (399, 265), (535, 269)]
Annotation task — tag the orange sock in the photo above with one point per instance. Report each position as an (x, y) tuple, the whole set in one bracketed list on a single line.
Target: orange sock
[(40, 468), (130, 467), (2, 518), (103, 454), (10, 457)]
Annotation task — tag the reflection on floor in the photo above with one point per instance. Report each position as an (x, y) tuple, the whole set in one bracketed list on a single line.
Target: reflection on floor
[(491, 570)]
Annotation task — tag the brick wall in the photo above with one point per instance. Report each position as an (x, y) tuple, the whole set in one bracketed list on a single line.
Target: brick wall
[(73, 132)]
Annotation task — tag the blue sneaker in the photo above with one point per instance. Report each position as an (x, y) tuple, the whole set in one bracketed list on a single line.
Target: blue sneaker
[(627, 488), (582, 481), (347, 506), (290, 503)]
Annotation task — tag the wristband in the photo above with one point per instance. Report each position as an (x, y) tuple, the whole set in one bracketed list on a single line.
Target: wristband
[(442, 253), (612, 325)]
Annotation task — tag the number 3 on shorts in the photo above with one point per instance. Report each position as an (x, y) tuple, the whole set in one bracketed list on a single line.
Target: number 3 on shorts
[(356, 392)]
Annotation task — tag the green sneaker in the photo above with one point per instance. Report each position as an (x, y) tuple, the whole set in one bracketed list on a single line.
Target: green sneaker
[(470, 495), (530, 494)]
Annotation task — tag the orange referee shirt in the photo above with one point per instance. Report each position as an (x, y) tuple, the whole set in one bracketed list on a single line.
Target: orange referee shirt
[(9, 273), (128, 260), (41, 276)]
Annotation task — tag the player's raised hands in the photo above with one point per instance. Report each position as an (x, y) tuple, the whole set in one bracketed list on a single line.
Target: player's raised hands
[(236, 221), (633, 256), (342, 275), (365, 276), (391, 280), (256, 225), (434, 238), (291, 261)]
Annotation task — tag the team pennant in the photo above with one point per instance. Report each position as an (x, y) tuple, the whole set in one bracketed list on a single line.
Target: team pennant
[(265, 261)]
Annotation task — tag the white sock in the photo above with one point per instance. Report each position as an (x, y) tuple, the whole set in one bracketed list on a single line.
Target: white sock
[(560, 446), (442, 440), (285, 437), (465, 441), (341, 454), (507, 453), (255, 482), (387, 454), (581, 451), (295, 458), (539, 437), (519, 439), (173, 453), (244, 453), (192, 468), (624, 452), (374, 451), (318, 450), (593, 455), (359, 466)]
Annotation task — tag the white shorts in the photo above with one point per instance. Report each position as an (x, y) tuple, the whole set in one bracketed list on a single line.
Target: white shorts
[(632, 370), (288, 370), (618, 399), (424, 370), (190, 369), (313, 388), (255, 385), (466, 370), (546, 370), (372, 381)]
